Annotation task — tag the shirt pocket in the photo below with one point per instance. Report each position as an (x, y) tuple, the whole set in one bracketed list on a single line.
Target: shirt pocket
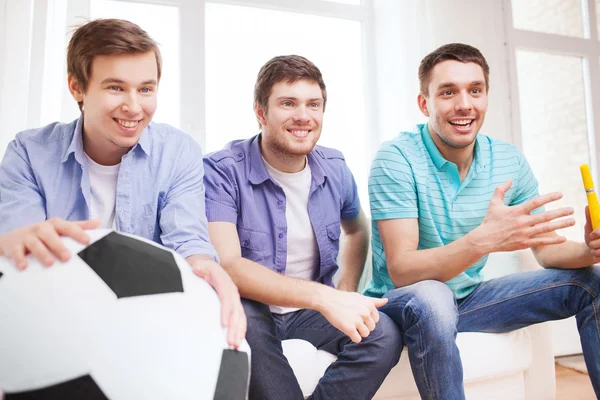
[(253, 244), (333, 234)]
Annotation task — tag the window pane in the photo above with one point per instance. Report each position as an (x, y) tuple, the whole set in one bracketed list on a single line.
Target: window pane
[(162, 24), (561, 17), (237, 46), (554, 127)]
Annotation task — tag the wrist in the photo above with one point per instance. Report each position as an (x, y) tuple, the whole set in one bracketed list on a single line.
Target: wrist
[(319, 299), (477, 244)]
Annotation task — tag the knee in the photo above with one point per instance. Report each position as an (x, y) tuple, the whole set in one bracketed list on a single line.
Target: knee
[(429, 304), (387, 339)]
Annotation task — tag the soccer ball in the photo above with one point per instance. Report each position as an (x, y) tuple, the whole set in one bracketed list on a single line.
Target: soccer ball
[(123, 319)]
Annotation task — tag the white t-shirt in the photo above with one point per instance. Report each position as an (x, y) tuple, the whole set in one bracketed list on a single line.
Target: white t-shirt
[(103, 189), (302, 250)]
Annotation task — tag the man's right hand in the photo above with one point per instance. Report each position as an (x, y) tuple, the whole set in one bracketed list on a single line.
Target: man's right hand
[(43, 240), (350, 312), (508, 228)]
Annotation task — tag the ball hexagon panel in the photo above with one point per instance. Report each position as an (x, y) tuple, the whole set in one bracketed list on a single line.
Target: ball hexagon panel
[(131, 267), (83, 387)]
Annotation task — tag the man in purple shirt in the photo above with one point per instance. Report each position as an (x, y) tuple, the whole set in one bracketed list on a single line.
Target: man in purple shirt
[(111, 167), (275, 203)]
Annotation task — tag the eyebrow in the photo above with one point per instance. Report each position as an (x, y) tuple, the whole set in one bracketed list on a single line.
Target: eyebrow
[(295, 98), (445, 85), (116, 80)]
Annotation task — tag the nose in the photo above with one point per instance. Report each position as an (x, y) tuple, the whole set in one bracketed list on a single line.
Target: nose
[(301, 115), (463, 102), (131, 104)]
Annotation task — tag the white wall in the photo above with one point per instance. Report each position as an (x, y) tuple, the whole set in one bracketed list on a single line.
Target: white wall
[(14, 80), (410, 29)]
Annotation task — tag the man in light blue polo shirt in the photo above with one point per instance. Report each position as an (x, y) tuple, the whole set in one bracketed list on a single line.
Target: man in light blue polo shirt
[(444, 197), (113, 165)]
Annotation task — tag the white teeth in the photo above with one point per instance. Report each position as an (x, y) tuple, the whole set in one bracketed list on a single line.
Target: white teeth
[(127, 124), (462, 122), (299, 133)]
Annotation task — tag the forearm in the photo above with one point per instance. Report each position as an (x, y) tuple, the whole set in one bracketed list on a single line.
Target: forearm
[(259, 283), (567, 255), (354, 255), (440, 263)]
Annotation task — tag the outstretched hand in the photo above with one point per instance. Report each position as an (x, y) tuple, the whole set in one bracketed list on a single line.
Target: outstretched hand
[(508, 228)]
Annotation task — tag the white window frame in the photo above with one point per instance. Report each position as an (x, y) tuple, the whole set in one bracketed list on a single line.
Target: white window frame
[(588, 48), (193, 87)]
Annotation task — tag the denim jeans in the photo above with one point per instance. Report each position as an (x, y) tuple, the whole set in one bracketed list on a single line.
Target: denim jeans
[(357, 374), (430, 318)]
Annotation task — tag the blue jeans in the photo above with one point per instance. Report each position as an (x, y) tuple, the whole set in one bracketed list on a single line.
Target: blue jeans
[(357, 374), (430, 318)]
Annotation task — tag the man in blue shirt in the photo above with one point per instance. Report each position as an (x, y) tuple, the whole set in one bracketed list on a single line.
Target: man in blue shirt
[(444, 197), (112, 167), (275, 203)]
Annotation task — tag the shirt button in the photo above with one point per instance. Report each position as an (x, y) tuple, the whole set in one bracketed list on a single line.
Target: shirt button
[(279, 202), (281, 236), (240, 154), (246, 243)]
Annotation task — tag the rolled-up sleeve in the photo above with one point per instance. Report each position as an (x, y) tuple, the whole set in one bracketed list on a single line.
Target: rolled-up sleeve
[(221, 192), (21, 202), (182, 218)]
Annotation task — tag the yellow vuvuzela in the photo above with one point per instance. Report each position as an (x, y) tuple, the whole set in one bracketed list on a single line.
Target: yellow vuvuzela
[(593, 204)]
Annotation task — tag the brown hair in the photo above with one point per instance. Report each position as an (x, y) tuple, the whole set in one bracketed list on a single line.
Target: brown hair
[(106, 37), (453, 51), (285, 68)]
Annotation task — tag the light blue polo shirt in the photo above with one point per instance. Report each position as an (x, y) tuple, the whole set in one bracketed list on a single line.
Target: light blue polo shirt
[(410, 178)]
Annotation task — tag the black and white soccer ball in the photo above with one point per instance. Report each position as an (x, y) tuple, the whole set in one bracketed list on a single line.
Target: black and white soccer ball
[(123, 319)]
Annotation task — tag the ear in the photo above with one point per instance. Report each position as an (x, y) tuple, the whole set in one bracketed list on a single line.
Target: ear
[(260, 114), (422, 103), (76, 92)]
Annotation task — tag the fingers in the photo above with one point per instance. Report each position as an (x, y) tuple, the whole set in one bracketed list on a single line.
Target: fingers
[(363, 330), (353, 334), (18, 256), (88, 224), (74, 230), (35, 246), (539, 201), (47, 234), (545, 241), (548, 227), (501, 190), (550, 215), (379, 302)]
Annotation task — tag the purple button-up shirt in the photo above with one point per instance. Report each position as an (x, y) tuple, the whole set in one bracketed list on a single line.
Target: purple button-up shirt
[(240, 190)]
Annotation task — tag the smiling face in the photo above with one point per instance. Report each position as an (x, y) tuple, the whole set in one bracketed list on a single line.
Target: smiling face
[(291, 126), (118, 104), (456, 104)]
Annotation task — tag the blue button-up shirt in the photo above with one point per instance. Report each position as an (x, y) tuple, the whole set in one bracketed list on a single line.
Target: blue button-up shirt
[(239, 190), (160, 193)]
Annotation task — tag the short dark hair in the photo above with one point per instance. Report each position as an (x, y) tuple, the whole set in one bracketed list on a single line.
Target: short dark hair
[(453, 51), (106, 37), (285, 68)]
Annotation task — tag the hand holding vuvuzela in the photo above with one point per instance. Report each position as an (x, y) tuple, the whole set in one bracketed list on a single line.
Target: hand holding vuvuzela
[(593, 205)]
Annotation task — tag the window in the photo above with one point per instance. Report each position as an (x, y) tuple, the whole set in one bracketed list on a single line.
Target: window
[(555, 53), (239, 40)]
